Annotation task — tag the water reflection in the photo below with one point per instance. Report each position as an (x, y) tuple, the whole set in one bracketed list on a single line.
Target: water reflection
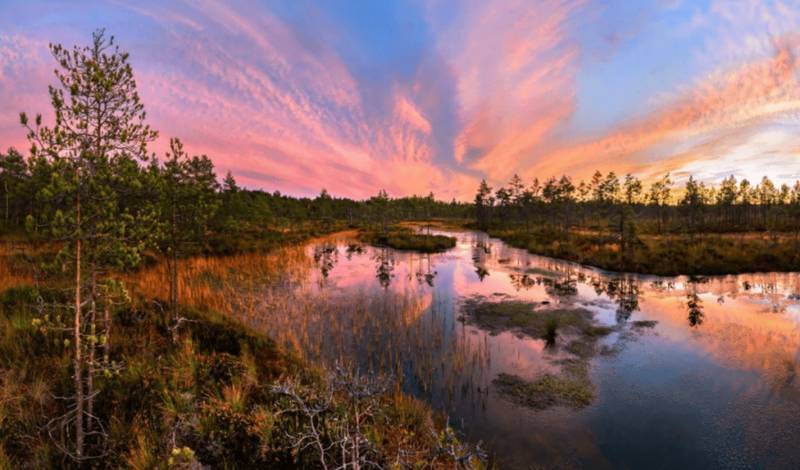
[(624, 290), (384, 262), (325, 256), (695, 306), (424, 272), (713, 361)]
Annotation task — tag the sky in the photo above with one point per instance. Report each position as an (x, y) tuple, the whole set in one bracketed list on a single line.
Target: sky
[(419, 96)]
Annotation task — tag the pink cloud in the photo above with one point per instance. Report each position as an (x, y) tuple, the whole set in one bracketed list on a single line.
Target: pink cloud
[(725, 103), (495, 96), (516, 69)]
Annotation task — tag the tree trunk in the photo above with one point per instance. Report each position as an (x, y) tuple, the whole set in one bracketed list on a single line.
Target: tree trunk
[(90, 365), (5, 188), (174, 273), (78, 360), (107, 326)]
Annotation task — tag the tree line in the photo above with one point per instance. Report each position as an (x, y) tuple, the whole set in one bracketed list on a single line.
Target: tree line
[(23, 182), (610, 203)]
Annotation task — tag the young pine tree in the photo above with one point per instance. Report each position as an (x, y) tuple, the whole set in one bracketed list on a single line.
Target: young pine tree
[(189, 201), (99, 130)]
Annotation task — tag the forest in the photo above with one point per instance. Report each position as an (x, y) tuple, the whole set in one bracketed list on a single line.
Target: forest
[(621, 225)]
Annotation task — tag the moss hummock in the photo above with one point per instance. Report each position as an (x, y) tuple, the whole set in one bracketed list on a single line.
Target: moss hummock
[(406, 239)]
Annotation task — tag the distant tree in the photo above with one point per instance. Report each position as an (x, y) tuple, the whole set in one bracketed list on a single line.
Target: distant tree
[(503, 197), (596, 187), (515, 188), (632, 189), (610, 188), (693, 200), (746, 199), (380, 204), (566, 199), (483, 204), (583, 192), (13, 180), (188, 202), (659, 196), (767, 197), (229, 184)]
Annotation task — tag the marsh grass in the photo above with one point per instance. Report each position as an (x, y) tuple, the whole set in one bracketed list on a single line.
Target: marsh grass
[(571, 388), (401, 238), (574, 328), (252, 320), (201, 399), (665, 255), (18, 261), (537, 320), (276, 294)]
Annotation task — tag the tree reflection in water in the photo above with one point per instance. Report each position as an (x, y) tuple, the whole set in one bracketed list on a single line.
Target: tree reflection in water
[(353, 248), (384, 267), (623, 290), (326, 256), (480, 251), (694, 304), (428, 275)]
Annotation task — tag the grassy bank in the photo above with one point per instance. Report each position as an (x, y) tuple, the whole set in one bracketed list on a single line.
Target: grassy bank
[(216, 394), (245, 238), (666, 255), (404, 238), (213, 392)]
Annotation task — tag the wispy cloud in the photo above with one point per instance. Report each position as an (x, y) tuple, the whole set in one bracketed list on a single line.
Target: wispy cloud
[(288, 101)]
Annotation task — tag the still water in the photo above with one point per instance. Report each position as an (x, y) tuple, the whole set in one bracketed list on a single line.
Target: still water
[(709, 382)]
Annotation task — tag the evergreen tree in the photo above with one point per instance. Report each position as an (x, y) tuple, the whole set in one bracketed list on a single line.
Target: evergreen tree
[(99, 127), (13, 181), (483, 204), (188, 203)]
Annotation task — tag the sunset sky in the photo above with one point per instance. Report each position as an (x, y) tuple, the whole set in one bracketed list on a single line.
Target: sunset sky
[(433, 95)]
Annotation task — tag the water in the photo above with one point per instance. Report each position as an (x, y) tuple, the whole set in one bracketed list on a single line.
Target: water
[(713, 384)]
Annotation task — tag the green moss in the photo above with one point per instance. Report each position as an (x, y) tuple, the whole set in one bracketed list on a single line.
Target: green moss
[(530, 318), (405, 239), (571, 388)]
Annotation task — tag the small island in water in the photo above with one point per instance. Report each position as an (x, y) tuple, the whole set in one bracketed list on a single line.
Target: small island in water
[(158, 313)]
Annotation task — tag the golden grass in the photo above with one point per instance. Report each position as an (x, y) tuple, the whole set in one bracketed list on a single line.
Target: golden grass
[(214, 283), (15, 270)]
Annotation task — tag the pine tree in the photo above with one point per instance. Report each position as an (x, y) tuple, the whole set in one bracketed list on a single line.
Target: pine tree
[(99, 129), (188, 203), (13, 181), (483, 204)]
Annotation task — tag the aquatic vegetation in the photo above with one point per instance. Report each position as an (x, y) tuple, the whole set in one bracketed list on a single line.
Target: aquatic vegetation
[(571, 388), (406, 239), (537, 320), (551, 330)]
